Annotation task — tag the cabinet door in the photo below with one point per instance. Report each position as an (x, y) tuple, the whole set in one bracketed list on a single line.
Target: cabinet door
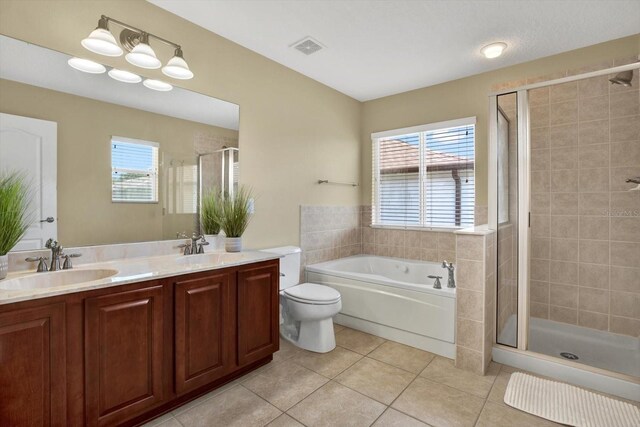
[(33, 367), (257, 313), (204, 330), (123, 354)]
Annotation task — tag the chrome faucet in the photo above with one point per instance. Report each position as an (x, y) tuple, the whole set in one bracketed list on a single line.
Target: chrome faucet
[(56, 254), (193, 246), (451, 283), (436, 284)]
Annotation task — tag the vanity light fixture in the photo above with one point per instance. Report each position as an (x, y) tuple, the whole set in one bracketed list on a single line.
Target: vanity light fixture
[(177, 67), (86, 66), (136, 42), (493, 50), (101, 40), (124, 76), (157, 85)]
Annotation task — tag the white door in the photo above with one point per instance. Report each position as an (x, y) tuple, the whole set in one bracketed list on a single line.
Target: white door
[(30, 146)]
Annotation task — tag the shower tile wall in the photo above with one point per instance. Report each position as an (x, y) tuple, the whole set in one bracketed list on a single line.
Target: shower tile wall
[(585, 224)]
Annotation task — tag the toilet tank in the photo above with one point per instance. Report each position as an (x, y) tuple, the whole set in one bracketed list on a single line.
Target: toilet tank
[(289, 265)]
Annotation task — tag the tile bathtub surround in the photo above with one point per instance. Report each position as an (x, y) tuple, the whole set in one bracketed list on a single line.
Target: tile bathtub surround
[(585, 224), (476, 299), (389, 385)]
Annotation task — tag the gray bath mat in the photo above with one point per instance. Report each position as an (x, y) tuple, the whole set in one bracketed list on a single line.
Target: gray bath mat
[(567, 404)]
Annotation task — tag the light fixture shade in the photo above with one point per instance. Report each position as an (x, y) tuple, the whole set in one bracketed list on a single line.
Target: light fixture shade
[(124, 76), (157, 85), (493, 50), (86, 66), (102, 42), (177, 67), (143, 56)]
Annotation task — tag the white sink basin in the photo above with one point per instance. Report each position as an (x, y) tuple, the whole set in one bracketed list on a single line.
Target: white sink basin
[(56, 278), (208, 259)]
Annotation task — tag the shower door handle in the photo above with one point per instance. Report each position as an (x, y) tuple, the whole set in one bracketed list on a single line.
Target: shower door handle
[(48, 219)]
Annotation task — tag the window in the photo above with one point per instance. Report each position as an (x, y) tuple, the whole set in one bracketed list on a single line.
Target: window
[(424, 176), (134, 170)]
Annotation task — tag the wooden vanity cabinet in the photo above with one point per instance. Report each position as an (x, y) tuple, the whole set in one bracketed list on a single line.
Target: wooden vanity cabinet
[(124, 354)]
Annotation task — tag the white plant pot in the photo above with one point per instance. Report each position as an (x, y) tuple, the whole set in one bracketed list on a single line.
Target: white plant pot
[(233, 244), (4, 266), (216, 242)]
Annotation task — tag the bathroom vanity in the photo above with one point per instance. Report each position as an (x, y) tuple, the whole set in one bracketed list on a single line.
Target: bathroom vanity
[(119, 352)]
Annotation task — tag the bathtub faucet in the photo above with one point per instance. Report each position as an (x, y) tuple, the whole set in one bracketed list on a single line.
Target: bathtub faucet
[(451, 283), (436, 284)]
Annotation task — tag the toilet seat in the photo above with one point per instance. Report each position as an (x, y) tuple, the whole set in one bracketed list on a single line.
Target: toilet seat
[(312, 293)]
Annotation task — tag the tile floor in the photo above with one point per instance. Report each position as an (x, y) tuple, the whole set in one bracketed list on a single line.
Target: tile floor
[(365, 381)]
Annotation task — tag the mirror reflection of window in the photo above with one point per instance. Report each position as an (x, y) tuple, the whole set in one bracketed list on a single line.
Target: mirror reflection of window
[(134, 170)]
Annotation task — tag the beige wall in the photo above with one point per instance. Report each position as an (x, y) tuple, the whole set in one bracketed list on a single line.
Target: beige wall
[(293, 130), (469, 97), (86, 215)]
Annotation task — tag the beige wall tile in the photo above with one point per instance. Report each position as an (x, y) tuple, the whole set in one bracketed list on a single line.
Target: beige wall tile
[(594, 156), (539, 270), (595, 300), (625, 304), (539, 116), (469, 360), (564, 249), (539, 137), (593, 204), (625, 129), (540, 160), (563, 314), (563, 136), (539, 310), (595, 86), (470, 247), (539, 96), (618, 177), (540, 248), (626, 229), (470, 333), (595, 108), (625, 104), (594, 227), (594, 251), (540, 225), (563, 272), (625, 154), (564, 226), (593, 132), (449, 256), (624, 325), (593, 180), (429, 240), (563, 113), (563, 295), (430, 255), (625, 279), (412, 239), (562, 181), (446, 241), (470, 304), (593, 275), (562, 158), (470, 275), (540, 181), (593, 320), (541, 203), (625, 203), (539, 292), (625, 254), (565, 203), (563, 92)]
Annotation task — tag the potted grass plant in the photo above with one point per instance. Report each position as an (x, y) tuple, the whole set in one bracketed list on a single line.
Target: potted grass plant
[(211, 210), (15, 216), (235, 215)]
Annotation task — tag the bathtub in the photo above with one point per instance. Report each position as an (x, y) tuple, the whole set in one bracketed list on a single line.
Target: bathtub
[(393, 298)]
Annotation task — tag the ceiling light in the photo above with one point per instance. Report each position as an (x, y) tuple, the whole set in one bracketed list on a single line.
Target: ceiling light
[(124, 76), (101, 40), (157, 85), (142, 55), (493, 50), (177, 67), (86, 66)]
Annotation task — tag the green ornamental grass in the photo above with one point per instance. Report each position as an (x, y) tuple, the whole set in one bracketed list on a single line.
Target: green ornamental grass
[(235, 212), (211, 212), (15, 213)]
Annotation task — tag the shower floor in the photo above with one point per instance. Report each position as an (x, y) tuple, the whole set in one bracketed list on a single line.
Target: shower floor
[(605, 350)]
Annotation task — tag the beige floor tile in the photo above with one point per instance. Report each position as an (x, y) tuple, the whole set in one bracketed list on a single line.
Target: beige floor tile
[(328, 364), (393, 418), (443, 371), (203, 398), (337, 328), (357, 341), (375, 379), (494, 415), (402, 356), (439, 405), (235, 407), (336, 405), (284, 420), (166, 420), (286, 352), (285, 384), (499, 387)]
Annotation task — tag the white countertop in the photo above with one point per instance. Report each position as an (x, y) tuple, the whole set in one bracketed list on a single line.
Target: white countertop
[(130, 270)]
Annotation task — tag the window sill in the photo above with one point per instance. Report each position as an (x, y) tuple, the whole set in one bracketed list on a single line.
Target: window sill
[(416, 228)]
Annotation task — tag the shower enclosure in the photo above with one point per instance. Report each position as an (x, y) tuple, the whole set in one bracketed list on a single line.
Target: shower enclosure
[(564, 155)]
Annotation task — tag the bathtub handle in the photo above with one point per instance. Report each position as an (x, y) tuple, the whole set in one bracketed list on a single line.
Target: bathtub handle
[(436, 284)]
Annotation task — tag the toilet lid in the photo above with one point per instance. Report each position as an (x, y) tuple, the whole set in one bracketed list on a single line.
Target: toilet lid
[(313, 292)]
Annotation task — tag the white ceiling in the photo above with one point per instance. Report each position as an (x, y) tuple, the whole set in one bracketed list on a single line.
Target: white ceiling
[(38, 66), (379, 48)]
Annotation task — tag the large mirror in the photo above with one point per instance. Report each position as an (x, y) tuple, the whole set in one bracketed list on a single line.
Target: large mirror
[(109, 162)]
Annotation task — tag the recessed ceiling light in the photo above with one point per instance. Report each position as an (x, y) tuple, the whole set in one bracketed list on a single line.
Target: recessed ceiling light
[(157, 85), (493, 50), (124, 76), (86, 66)]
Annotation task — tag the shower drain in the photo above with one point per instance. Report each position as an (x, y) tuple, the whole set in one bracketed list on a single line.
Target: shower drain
[(569, 356)]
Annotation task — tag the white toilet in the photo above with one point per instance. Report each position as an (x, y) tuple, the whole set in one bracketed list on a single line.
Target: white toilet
[(307, 309)]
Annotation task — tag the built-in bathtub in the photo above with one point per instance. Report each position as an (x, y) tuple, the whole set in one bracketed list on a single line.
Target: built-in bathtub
[(393, 298)]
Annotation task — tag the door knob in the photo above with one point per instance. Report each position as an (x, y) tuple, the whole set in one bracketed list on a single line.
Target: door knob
[(49, 220)]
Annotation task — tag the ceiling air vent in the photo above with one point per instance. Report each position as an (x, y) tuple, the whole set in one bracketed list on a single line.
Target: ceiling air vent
[(307, 46)]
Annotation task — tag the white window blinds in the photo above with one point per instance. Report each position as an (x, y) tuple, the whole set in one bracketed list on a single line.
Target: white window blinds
[(134, 170), (424, 176)]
